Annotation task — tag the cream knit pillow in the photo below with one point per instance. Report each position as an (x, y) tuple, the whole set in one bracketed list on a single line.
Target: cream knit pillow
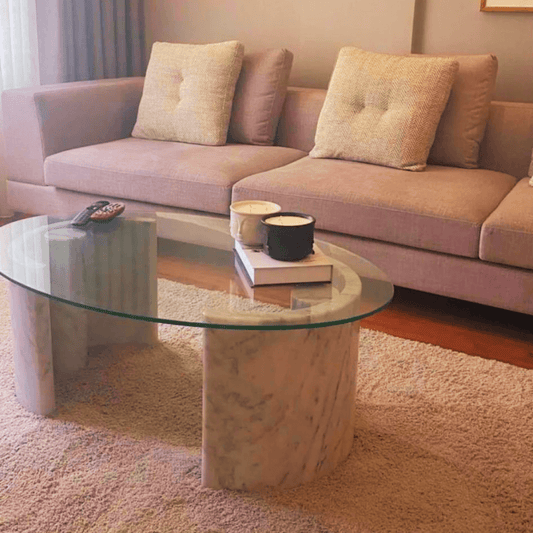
[(383, 109), (188, 92)]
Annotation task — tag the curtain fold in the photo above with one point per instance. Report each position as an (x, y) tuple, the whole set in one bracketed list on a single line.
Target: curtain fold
[(18, 64), (100, 39), (54, 41), (17, 48)]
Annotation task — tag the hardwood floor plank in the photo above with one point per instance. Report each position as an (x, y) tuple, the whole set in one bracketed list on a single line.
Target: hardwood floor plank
[(465, 327)]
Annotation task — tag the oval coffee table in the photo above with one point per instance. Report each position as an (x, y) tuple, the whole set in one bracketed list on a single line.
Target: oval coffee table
[(279, 362)]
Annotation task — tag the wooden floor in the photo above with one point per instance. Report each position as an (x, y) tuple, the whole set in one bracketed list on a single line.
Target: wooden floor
[(461, 326)]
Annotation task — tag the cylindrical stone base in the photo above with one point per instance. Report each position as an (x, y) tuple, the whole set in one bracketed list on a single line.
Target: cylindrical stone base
[(279, 406)]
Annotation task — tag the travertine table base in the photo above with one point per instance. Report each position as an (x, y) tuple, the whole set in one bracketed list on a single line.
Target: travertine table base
[(278, 406), (52, 338), (279, 383)]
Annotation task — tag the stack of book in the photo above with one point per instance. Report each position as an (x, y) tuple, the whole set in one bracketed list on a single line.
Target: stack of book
[(261, 269)]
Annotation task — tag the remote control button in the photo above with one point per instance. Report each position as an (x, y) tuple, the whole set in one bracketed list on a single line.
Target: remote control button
[(108, 212)]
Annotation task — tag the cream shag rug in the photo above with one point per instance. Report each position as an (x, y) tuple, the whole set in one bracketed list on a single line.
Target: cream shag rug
[(444, 443)]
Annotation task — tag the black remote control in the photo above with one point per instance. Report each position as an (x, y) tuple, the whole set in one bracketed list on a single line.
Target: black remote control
[(84, 216)]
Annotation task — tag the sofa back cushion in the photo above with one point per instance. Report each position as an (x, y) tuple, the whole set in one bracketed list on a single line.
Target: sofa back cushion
[(188, 92), (259, 96), (462, 125), (508, 140), (383, 109), (299, 118), (506, 146)]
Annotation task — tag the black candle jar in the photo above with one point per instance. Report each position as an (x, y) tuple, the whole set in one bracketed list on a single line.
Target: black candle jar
[(288, 236)]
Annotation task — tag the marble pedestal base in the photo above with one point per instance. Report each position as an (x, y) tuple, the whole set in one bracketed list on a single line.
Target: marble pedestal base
[(53, 338), (278, 406)]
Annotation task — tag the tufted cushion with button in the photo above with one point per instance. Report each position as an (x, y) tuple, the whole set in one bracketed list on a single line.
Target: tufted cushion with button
[(188, 92), (383, 109)]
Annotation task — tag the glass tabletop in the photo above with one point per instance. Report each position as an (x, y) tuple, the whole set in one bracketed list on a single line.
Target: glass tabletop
[(179, 269)]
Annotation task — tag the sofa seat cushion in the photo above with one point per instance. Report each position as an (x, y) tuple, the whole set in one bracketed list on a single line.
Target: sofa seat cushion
[(175, 174), (440, 209), (507, 234)]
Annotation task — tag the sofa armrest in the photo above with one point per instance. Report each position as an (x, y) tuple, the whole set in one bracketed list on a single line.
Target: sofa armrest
[(41, 121)]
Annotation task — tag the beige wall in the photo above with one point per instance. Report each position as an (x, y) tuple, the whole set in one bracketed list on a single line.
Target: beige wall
[(313, 30), (451, 26)]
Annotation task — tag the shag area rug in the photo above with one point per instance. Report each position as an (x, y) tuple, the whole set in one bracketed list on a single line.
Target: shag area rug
[(443, 443)]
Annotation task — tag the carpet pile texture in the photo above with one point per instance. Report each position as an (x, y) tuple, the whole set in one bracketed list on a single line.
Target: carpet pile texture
[(443, 443)]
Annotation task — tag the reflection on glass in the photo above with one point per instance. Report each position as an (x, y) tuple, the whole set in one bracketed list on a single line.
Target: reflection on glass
[(108, 266), (113, 267)]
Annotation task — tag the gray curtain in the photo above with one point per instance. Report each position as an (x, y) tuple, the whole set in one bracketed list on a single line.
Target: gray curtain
[(90, 39)]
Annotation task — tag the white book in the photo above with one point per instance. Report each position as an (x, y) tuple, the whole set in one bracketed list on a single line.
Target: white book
[(244, 281), (263, 270)]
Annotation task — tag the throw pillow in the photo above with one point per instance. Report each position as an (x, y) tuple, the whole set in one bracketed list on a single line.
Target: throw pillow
[(259, 96), (188, 92), (383, 109), (463, 122)]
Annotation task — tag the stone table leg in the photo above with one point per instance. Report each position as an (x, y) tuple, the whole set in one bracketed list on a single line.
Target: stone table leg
[(70, 329), (34, 369), (112, 267), (108, 329), (278, 406), (52, 338)]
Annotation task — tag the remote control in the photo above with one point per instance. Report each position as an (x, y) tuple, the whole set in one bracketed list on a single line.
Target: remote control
[(84, 216), (108, 212)]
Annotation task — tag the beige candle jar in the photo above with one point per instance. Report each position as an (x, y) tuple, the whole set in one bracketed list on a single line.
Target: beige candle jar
[(245, 220)]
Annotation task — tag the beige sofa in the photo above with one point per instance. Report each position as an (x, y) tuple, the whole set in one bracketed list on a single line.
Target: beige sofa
[(464, 233)]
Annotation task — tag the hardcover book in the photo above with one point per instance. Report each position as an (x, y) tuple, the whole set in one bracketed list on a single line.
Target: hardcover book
[(261, 269)]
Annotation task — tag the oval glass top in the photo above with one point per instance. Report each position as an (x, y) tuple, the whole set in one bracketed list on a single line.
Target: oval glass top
[(179, 269)]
